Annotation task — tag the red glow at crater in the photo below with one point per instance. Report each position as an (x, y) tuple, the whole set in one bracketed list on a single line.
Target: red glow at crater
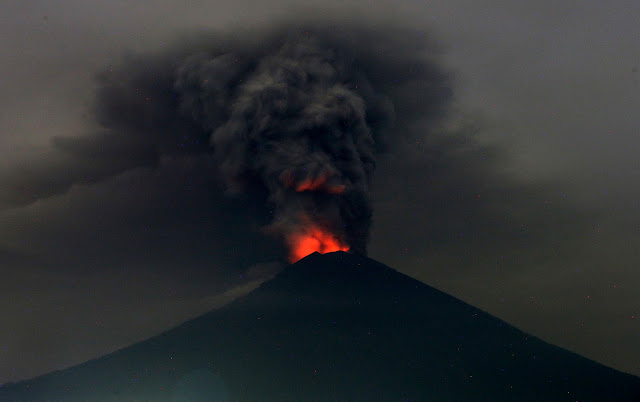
[(312, 239)]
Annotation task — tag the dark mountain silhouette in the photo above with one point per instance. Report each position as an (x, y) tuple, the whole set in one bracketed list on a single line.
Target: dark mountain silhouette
[(338, 327)]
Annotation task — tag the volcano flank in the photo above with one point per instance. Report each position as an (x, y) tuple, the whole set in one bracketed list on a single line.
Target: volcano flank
[(338, 327)]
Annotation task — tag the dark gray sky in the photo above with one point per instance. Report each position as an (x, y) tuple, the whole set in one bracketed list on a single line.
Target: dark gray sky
[(523, 200)]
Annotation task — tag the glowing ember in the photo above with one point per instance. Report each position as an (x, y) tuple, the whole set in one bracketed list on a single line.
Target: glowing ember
[(319, 183), (311, 240)]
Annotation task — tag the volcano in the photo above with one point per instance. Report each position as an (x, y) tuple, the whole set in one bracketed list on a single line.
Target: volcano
[(337, 327)]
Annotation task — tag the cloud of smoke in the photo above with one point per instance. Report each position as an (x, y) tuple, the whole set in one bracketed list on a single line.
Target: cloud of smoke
[(293, 116)]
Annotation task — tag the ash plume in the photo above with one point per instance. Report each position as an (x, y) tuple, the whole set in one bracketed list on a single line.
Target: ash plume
[(293, 116)]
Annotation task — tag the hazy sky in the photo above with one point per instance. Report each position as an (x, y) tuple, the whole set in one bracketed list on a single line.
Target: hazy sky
[(522, 200)]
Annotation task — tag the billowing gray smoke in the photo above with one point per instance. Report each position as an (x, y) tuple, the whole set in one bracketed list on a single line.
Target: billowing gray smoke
[(293, 121), (293, 116)]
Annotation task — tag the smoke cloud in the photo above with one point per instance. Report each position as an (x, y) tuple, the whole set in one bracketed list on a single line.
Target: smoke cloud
[(293, 116)]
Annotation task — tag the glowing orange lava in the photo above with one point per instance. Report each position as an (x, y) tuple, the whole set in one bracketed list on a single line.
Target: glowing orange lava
[(311, 240)]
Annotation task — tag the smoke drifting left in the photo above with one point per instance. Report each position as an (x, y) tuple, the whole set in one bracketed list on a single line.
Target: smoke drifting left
[(292, 115)]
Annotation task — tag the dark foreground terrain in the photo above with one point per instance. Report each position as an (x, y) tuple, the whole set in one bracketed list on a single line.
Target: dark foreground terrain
[(337, 327)]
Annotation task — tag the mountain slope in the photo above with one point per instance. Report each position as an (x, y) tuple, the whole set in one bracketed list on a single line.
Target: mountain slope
[(338, 327)]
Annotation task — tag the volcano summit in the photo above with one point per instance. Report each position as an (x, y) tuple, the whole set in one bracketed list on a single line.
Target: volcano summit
[(338, 327)]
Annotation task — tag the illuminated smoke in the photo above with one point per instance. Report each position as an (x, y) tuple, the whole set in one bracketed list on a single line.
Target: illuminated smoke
[(292, 117), (297, 126)]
